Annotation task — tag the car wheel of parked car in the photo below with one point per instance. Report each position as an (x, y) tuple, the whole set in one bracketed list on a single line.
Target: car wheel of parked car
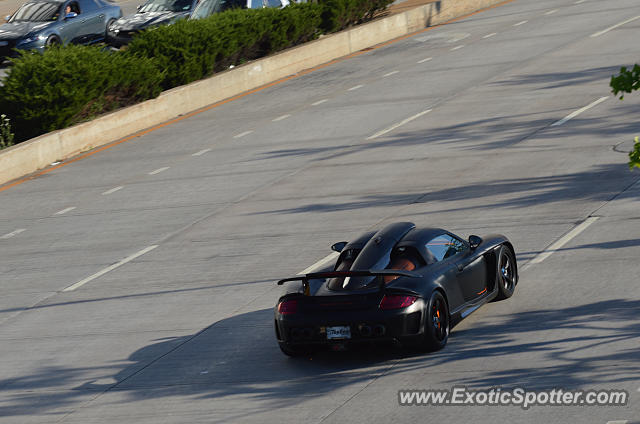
[(53, 40)]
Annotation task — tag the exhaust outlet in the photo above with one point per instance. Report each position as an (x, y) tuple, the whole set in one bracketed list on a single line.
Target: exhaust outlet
[(365, 331)]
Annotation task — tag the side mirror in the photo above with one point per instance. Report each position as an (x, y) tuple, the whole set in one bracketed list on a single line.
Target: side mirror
[(337, 247), (70, 15), (474, 242), (138, 7), (6, 18)]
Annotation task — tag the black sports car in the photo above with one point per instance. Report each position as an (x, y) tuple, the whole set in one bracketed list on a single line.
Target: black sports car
[(400, 284)]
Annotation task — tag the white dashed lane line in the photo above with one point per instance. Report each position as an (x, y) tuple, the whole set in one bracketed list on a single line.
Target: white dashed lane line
[(319, 102), (113, 190), (280, 118), (579, 1), (618, 422), (425, 60), (490, 35), (561, 242), (579, 111), (201, 152), (390, 73), (159, 170), (551, 12), (329, 258), (109, 268), (457, 47), (243, 134), (604, 31), (63, 211), (12, 233), (399, 124), (520, 23), (355, 87)]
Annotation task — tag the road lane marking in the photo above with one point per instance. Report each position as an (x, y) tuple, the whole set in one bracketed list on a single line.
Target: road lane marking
[(555, 246), (490, 35), (579, 1), (330, 257), (63, 211), (551, 12), (520, 23), (390, 73), (319, 102), (457, 47), (159, 170), (426, 59), (355, 87), (618, 422), (242, 134), (201, 152), (109, 269), (579, 111), (13, 233), (604, 31), (399, 124), (113, 190), (280, 118)]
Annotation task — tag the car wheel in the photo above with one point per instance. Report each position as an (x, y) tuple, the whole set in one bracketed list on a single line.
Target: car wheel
[(436, 326), (294, 351), (506, 273), (106, 29), (53, 40)]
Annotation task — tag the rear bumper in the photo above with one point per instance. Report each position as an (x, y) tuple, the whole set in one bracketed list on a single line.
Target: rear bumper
[(404, 326)]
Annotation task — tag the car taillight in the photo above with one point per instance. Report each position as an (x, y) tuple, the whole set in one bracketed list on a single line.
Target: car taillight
[(288, 307), (397, 301)]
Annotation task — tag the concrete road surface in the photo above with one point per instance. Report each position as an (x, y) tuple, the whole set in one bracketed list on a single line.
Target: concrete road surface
[(169, 245)]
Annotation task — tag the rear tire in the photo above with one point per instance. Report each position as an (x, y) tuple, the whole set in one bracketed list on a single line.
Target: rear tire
[(506, 278), (437, 323)]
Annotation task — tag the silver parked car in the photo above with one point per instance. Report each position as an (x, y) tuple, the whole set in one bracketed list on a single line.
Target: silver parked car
[(39, 23)]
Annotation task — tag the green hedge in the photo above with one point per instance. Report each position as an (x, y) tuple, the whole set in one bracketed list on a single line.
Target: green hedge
[(64, 86), (191, 50), (67, 85)]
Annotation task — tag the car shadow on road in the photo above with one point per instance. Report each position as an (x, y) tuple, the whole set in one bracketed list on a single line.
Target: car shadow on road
[(237, 358)]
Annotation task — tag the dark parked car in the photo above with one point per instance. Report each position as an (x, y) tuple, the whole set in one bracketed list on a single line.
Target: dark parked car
[(152, 13), (401, 284), (209, 7), (39, 23)]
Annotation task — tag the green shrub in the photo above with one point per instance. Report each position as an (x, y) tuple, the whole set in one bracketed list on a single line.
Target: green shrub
[(191, 50), (64, 86), (6, 136), (340, 14)]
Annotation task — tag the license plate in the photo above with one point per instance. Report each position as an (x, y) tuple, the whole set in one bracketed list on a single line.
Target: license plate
[(4, 43), (337, 333)]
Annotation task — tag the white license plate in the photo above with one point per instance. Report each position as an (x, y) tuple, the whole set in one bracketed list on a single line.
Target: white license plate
[(337, 333)]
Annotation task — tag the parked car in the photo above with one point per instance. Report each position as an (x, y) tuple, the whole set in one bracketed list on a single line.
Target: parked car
[(39, 23), (209, 7), (152, 13)]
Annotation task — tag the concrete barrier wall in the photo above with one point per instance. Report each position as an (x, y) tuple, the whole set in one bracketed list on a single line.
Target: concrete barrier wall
[(32, 155)]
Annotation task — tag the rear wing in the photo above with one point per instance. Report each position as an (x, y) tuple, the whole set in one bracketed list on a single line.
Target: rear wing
[(339, 274)]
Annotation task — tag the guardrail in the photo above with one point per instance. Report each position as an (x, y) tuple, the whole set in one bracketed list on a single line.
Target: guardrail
[(30, 156)]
